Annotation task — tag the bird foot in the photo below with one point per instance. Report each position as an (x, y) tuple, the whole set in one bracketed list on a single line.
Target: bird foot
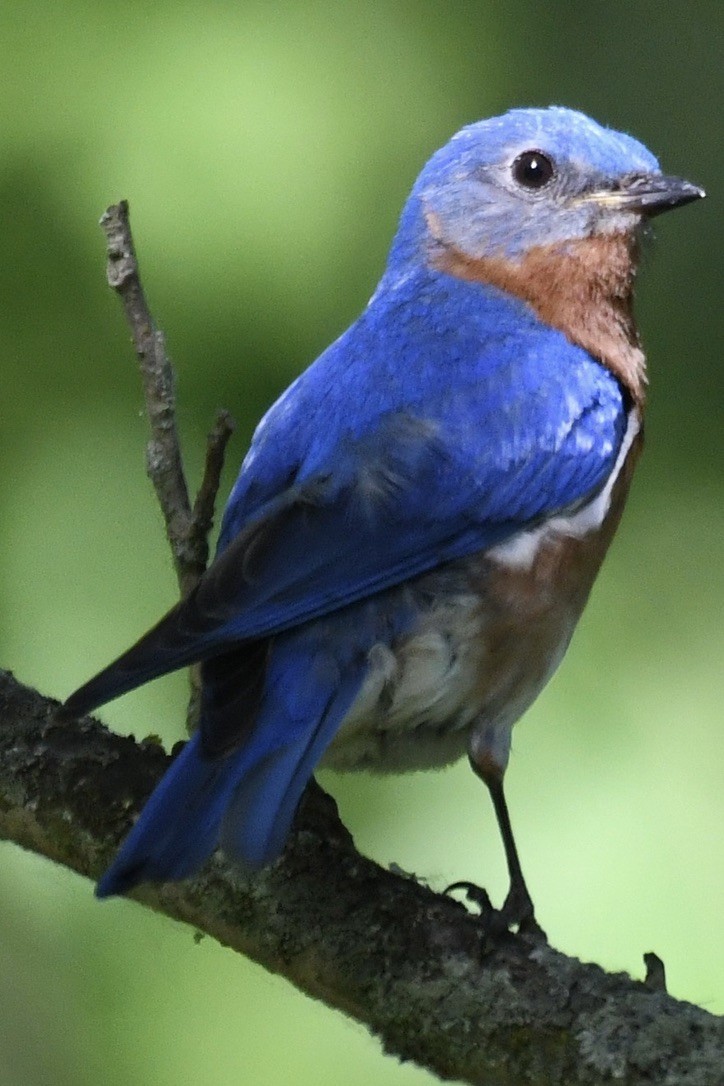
[(517, 911)]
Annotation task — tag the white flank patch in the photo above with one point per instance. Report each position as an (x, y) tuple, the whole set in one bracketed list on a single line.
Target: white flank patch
[(520, 550)]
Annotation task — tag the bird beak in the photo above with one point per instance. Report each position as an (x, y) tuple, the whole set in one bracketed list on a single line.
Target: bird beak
[(648, 194)]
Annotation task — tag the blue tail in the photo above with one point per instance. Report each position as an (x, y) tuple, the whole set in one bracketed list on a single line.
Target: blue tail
[(258, 818), (178, 828), (244, 800)]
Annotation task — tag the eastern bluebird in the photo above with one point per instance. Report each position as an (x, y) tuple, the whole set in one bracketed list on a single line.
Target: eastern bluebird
[(420, 517)]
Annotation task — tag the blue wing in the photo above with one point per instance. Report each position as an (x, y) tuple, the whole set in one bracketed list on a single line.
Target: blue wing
[(445, 420)]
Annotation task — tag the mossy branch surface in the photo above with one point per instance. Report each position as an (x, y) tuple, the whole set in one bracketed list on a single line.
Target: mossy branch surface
[(414, 966)]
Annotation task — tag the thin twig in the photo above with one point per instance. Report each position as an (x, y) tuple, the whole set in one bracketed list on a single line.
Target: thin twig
[(187, 527), (202, 514), (163, 455)]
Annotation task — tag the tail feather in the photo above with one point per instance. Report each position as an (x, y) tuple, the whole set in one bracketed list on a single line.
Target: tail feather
[(258, 819), (244, 800), (178, 828)]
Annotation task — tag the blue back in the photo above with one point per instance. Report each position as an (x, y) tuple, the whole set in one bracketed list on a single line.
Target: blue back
[(447, 418)]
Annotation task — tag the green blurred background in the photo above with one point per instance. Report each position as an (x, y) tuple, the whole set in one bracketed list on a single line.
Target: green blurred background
[(266, 149)]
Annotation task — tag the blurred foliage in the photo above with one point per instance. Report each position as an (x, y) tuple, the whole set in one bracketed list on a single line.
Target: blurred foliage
[(266, 150)]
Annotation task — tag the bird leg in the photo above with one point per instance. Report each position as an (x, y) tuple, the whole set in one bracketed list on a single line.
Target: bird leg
[(517, 910), (518, 905)]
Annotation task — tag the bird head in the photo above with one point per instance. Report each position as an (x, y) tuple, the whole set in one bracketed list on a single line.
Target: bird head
[(546, 206), (533, 178)]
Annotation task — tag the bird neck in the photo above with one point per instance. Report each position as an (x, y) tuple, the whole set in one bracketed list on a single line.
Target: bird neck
[(584, 288)]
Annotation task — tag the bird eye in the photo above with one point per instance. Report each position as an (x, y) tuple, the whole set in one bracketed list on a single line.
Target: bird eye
[(532, 170)]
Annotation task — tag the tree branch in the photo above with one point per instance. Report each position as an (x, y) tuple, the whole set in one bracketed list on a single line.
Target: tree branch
[(413, 966)]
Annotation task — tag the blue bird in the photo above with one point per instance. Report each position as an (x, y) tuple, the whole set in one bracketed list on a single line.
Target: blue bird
[(420, 517)]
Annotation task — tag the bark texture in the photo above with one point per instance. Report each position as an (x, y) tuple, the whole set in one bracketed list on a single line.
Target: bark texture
[(414, 966)]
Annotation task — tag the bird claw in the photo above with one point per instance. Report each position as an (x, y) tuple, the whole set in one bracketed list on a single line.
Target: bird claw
[(517, 911), (476, 894)]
